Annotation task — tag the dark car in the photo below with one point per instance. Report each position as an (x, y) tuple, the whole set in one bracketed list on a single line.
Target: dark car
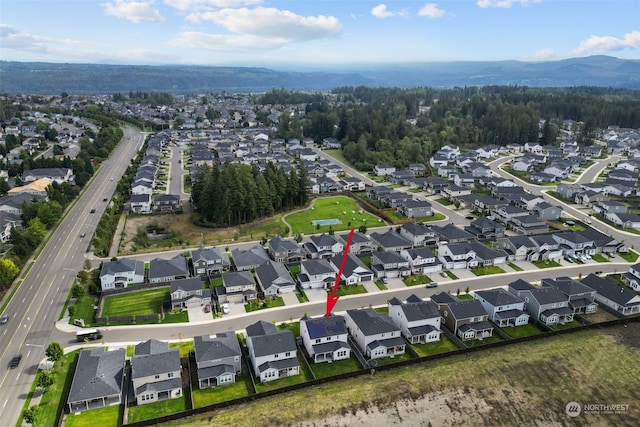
[(15, 361), (469, 217), (93, 211), (432, 285)]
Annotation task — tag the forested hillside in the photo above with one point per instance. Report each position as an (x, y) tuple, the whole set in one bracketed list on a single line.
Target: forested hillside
[(402, 126)]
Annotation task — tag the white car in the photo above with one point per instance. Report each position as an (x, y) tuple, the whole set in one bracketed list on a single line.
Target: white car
[(225, 308)]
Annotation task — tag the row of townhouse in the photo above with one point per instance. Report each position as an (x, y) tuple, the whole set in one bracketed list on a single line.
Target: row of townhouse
[(404, 203)]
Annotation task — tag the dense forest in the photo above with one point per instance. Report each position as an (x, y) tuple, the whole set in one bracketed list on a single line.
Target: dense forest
[(402, 126), (237, 194)]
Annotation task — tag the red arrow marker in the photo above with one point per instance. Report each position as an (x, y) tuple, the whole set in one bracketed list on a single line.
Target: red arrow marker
[(333, 298)]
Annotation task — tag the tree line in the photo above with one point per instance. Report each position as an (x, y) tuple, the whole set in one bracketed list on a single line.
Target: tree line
[(234, 194)]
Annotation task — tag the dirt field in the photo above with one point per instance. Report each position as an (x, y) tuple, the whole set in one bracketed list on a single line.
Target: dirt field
[(526, 384)]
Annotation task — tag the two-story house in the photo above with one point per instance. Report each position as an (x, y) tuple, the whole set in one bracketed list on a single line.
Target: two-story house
[(612, 295), (325, 338), (374, 333), (218, 359), (156, 372), (457, 256), (422, 260), (118, 274), (272, 352), (504, 308), (209, 261), (467, 319), (360, 243), (573, 244), (323, 246), (316, 274), (389, 241), (581, 298), (285, 250), (167, 270), (418, 320), (237, 287), (548, 305), (632, 277), (274, 278), (389, 264), (246, 260), (354, 270), (186, 293), (418, 234)]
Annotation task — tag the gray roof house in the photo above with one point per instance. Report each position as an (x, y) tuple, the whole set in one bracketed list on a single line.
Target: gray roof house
[(209, 261), (325, 338), (323, 246), (155, 372), (360, 243), (237, 286), (218, 359), (581, 297), (98, 380), (614, 296), (249, 259), (354, 270), (273, 353), (632, 277), (374, 333), (166, 270), (422, 260), (504, 309), (316, 274), (120, 273), (274, 278), (285, 250), (186, 293), (389, 264), (390, 241), (467, 319), (548, 305), (418, 320), (418, 234)]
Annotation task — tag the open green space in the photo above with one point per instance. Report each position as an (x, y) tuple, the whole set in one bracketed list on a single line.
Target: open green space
[(546, 264), (304, 376), (159, 409), (294, 327), (101, 417), (341, 208), (444, 345), (135, 303), (522, 331), (393, 359), (486, 270), (380, 285), (267, 303), (572, 324), (83, 309), (216, 282), (395, 216), (209, 396), (324, 370), (337, 154)]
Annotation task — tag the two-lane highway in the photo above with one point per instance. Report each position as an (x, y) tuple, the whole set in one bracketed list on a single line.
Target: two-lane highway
[(40, 297)]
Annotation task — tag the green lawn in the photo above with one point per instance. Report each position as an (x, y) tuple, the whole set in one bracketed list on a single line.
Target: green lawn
[(304, 376), (630, 256), (102, 417), (522, 331), (302, 297), (415, 190), (444, 345), (474, 343), (599, 258), (417, 279), (464, 296), (545, 264), (216, 282), (138, 303), (366, 260), (435, 217), (568, 325), (513, 266), (443, 201), (395, 216), (451, 275), (384, 309), (159, 409), (84, 310), (324, 370), (337, 154), (294, 327), (395, 359), (185, 347), (484, 271), (209, 396), (380, 285), (329, 208), (268, 303), (351, 290)]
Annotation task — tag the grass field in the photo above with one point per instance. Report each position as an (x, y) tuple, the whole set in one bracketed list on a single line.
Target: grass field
[(545, 264), (444, 345), (339, 207), (485, 271), (416, 279), (522, 331), (323, 370), (242, 387), (351, 290), (630, 256), (159, 409), (138, 303), (304, 376), (102, 417), (268, 303), (513, 266)]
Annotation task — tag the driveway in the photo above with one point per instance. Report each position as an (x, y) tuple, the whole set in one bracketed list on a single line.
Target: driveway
[(290, 298), (316, 294), (197, 314), (395, 283)]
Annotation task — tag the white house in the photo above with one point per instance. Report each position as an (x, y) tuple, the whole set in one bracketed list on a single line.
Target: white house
[(418, 320)]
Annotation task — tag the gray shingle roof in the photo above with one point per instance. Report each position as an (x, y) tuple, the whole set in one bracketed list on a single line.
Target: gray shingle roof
[(123, 265), (98, 374), (278, 342), (160, 360), (254, 256), (209, 254), (498, 297), (371, 323), (222, 345), (238, 278), (567, 285), (186, 285), (273, 273), (391, 239), (419, 310), (611, 290), (467, 308), (548, 295), (176, 266), (316, 267)]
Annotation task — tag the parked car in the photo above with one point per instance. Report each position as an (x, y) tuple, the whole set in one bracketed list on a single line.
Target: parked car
[(443, 274), (4, 319), (207, 308), (587, 220), (469, 217), (225, 308), (432, 285), (15, 361), (384, 280)]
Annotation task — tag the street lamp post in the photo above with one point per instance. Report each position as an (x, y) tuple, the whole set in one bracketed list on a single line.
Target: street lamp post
[(44, 353)]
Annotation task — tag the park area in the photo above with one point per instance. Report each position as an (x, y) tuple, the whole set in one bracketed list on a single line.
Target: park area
[(330, 213)]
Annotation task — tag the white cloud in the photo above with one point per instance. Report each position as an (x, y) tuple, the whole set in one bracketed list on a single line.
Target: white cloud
[(226, 43), (431, 10), (600, 44), (134, 11), (543, 54), (190, 5), (282, 26), (380, 11), (504, 4)]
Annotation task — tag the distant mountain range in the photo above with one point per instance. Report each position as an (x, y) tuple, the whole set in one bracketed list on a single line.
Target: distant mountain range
[(75, 79)]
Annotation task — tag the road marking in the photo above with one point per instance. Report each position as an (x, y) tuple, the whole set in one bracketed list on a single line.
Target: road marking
[(18, 377), (28, 353), (5, 403), (23, 299)]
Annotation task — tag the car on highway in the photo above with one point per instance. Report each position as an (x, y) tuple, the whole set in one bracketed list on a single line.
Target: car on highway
[(225, 308), (587, 220), (4, 319), (83, 234), (104, 199), (15, 361), (93, 211), (432, 285)]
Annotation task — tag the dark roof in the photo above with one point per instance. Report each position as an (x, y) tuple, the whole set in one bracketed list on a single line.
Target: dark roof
[(98, 374), (498, 297), (321, 327), (391, 239), (611, 290), (419, 310), (443, 298), (261, 328), (123, 265), (176, 266), (250, 257), (371, 322), (238, 278), (209, 254), (567, 285), (547, 295), (521, 285), (220, 346), (186, 285), (273, 273), (467, 308), (278, 342), (155, 358), (317, 266)]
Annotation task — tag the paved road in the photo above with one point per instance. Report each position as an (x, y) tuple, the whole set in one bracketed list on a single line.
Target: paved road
[(39, 299)]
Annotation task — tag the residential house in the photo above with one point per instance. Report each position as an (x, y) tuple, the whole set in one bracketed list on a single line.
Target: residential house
[(548, 305), (581, 298), (316, 274), (166, 270), (400, 177), (57, 175), (547, 211), (209, 261), (415, 209), (418, 234), (632, 277), (249, 259), (457, 256), (389, 241), (417, 169), (325, 338), (166, 203), (568, 191), (323, 246), (612, 295), (274, 278), (451, 233), (187, 293), (529, 224), (360, 243), (237, 287), (218, 359), (285, 250), (603, 243), (548, 247), (140, 203), (485, 228), (352, 184), (354, 270), (272, 352), (395, 199), (434, 185), (418, 320), (628, 220), (572, 243), (155, 372), (504, 308), (378, 192), (486, 256), (383, 169), (389, 264), (375, 333), (422, 260), (467, 319), (119, 274), (98, 379)]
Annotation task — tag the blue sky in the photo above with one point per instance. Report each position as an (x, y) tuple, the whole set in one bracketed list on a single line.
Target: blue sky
[(314, 33)]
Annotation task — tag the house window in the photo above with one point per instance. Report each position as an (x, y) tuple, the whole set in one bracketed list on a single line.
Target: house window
[(318, 340), (275, 356), (170, 375), (157, 377), (287, 354)]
